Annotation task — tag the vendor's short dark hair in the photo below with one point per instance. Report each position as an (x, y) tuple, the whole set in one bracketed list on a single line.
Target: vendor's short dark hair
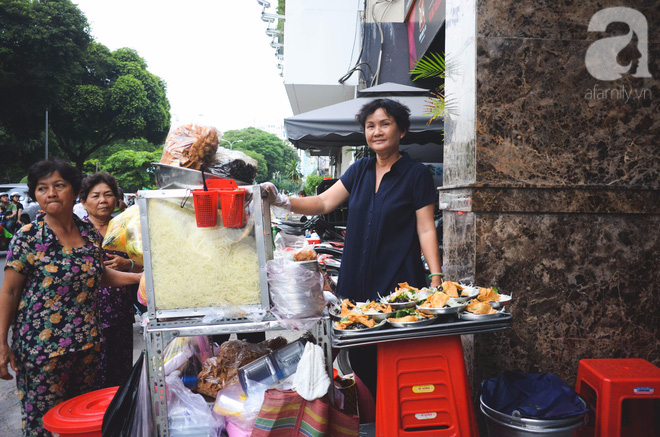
[(98, 178), (398, 111), (49, 166)]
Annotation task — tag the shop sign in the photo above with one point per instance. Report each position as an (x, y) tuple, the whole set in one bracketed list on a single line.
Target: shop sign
[(425, 19)]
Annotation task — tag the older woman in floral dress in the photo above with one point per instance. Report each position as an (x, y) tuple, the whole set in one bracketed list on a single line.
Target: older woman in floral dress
[(49, 297), (99, 196)]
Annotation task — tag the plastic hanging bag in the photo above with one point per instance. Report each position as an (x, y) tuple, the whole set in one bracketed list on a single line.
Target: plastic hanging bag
[(311, 379), (118, 417), (191, 146), (295, 290), (221, 371), (234, 164), (142, 424), (142, 290), (176, 354), (188, 413), (124, 234)]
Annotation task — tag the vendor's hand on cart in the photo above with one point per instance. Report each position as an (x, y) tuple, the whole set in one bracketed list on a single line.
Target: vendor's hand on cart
[(7, 359), (274, 197)]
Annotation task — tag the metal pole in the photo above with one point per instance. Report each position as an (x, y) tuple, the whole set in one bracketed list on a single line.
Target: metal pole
[(46, 134)]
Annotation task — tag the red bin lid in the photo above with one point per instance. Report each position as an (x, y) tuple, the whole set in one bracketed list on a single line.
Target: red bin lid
[(83, 413)]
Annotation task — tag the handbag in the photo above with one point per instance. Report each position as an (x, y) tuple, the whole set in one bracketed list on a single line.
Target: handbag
[(287, 414)]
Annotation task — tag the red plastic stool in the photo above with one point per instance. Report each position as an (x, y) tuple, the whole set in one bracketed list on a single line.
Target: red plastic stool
[(606, 383), (423, 389)]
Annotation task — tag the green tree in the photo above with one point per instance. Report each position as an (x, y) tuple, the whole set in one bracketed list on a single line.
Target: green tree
[(41, 46), (275, 152), (94, 97), (312, 181), (137, 144), (292, 173), (132, 169), (115, 99)]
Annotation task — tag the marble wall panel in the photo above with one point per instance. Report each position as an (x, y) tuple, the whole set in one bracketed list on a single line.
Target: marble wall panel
[(543, 120), (552, 19), (583, 286)]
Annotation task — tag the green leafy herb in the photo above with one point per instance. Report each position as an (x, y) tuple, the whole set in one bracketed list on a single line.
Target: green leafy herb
[(403, 297), (405, 312)]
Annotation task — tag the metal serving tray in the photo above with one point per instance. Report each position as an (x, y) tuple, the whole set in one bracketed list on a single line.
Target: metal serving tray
[(451, 326)]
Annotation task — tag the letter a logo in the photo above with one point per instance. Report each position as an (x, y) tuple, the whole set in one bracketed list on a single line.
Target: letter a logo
[(601, 57)]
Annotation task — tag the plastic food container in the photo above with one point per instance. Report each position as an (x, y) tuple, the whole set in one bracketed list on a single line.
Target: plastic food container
[(273, 367), (287, 359)]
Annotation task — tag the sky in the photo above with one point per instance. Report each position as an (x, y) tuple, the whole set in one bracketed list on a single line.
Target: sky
[(214, 56)]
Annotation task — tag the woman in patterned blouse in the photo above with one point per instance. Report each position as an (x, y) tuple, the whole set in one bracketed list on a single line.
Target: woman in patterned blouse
[(49, 297), (99, 196)]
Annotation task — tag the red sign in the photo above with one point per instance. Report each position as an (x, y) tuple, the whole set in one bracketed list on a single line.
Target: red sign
[(425, 19)]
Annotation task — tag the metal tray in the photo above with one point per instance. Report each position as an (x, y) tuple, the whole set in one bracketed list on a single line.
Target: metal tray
[(423, 322), (356, 332), (450, 327), (465, 315)]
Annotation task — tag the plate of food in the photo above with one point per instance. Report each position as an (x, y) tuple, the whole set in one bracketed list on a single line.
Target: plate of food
[(493, 297), (356, 324), (404, 296), (337, 311), (410, 317), (376, 310), (476, 310), (440, 303)]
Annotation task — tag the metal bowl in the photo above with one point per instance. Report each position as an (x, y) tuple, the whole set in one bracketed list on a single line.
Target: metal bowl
[(401, 305), (451, 309), (466, 315), (504, 299), (422, 322), (170, 176), (379, 317)]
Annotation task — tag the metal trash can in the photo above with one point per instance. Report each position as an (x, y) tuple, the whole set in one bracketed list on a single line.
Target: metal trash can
[(503, 425)]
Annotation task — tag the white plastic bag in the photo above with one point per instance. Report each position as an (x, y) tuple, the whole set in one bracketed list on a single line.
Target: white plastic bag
[(142, 420), (188, 412), (311, 379)]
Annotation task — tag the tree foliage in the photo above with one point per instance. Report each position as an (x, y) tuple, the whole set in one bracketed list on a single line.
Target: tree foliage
[(41, 44), (132, 169), (116, 99), (312, 181), (94, 97), (276, 154)]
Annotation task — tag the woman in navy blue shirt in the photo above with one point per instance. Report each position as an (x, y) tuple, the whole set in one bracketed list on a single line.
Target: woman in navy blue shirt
[(391, 200), (390, 210)]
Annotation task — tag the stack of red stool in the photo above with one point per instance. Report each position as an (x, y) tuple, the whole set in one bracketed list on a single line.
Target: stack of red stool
[(423, 389), (622, 393)]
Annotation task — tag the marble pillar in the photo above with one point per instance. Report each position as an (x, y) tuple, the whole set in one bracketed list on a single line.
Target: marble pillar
[(552, 178)]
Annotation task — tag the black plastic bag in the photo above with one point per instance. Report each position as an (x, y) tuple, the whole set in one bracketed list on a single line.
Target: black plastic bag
[(533, 395), (118, 418)]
